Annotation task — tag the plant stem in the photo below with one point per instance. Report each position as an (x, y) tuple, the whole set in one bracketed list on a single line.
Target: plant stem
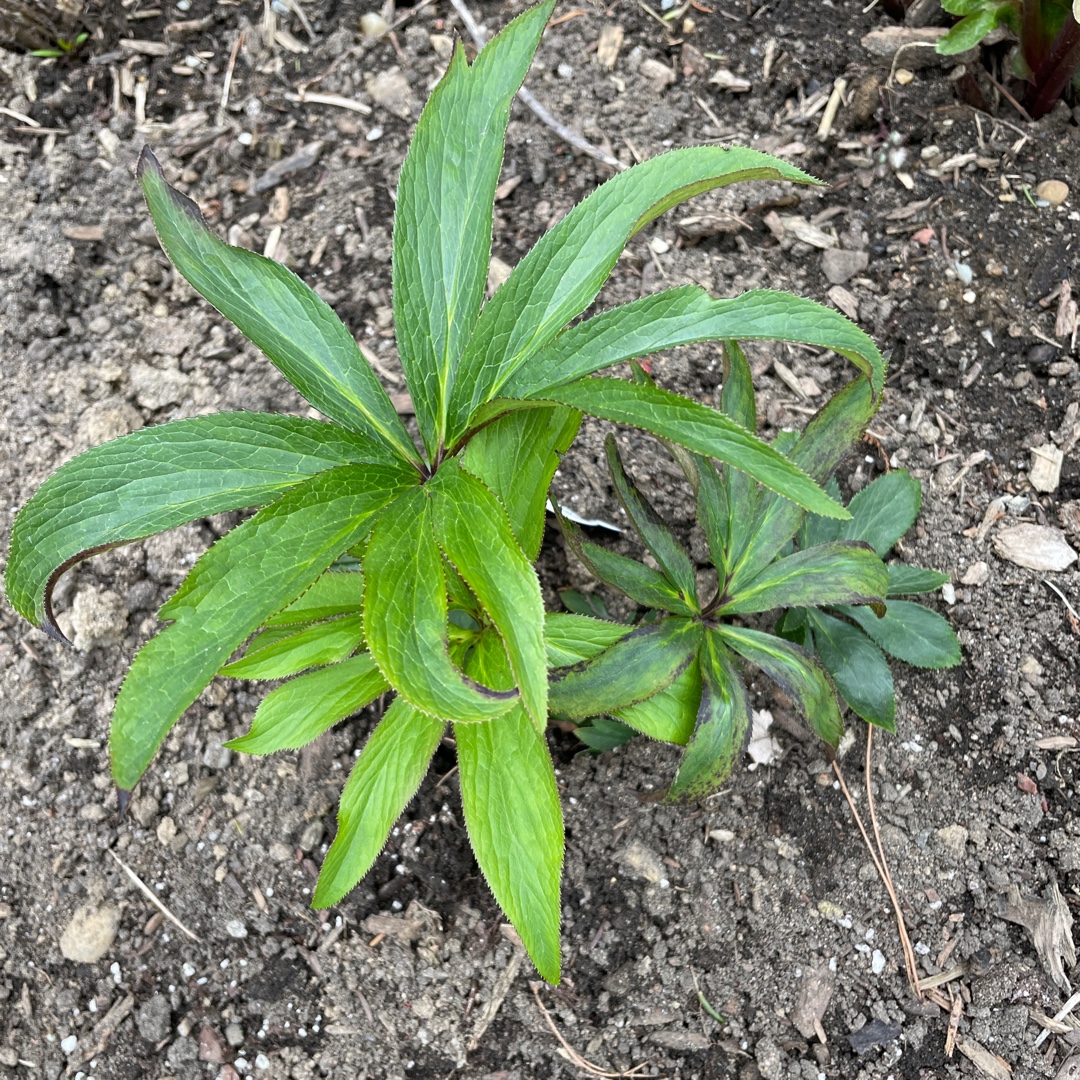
[(1060, 64)]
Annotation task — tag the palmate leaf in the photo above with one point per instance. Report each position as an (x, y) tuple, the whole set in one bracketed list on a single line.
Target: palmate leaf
[(323, 643), (159, 478), (512, 812), (563, 273), (442, 222), (884, 510), (796, 673), (654, 532), (636, 667), (911, 633), (405, 613), (685, 315), (275, 310), (698, 428), (843, 572), (858, 668), (300, 711), (723, 724), (474, 533), (250, 573), (383, 780)]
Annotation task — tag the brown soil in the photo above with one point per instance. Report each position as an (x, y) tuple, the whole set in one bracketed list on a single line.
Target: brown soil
[(762, 883)]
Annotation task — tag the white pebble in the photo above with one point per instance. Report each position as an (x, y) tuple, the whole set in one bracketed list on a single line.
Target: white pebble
[(188, 970), (236, 929), (68, 1045), (877, 962), (969, 296), (245, 138), (262, 1062)]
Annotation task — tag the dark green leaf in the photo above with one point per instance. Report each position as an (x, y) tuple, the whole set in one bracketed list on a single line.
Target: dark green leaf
[(512, 812), (250, 573), (272, 307), (639, 665), (323, 643), (843, 572), (818, 530), (911, 633), (300, 711), (442, 220), (383, 780), (796, 673), (602, 734), (584, 603), (653, 530), (161, 477), (907, 580), (858, 668), (669, 715), (883, 511), (723, 725)]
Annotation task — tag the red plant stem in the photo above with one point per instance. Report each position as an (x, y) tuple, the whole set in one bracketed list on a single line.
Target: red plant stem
[(1034, 38), (1061, 64)]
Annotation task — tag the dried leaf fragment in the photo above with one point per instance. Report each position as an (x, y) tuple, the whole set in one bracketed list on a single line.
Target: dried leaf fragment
[(1049, 924)]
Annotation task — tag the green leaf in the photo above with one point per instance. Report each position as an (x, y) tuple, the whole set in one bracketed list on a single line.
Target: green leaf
[(907, 580), (816, 530), (323, 643), (584, 603), (969, 31), (796, 673), (669, 715), (843, 572), (883, 511), (965, 7), (641, 583), (741, 494), (563, 273), (334, 593), (250, 573), (405, 617), (858, 668), (827, 437), (713, 513), (474, 532), (383, 780), (159, 478), (512, 812), (300, 711), (698, 428), (723, 725), (516, 457), (911, 633), (275, 310), (602, 733), (639, 665), (685, 315), (442, 221), (653, 530), (570, 638)]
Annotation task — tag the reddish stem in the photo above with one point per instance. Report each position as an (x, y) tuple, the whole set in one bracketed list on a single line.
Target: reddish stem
[(1060, 64)]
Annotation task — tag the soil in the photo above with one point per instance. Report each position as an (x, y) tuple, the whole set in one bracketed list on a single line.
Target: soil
[(743, 901)]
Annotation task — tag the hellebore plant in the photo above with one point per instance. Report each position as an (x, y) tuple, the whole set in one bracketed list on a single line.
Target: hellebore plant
[(377, 564)]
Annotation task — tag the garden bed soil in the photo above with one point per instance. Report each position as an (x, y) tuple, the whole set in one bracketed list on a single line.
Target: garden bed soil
[(747, 900)]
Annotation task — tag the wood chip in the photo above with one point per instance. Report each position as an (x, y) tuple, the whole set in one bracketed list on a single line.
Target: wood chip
[(1046, 462), (729, 81), (1056, 742), (802, 230), (1037, 547), (989, 1064), (146, 48), (84, 233), (813, 1000), (1049, 924), (658, 73), (845, 301), (607, 48)]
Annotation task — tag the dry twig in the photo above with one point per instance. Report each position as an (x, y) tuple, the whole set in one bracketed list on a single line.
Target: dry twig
[(149, 894)]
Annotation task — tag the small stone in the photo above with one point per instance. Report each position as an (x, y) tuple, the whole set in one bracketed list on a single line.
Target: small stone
[(948, 593), (97, 618), (903, 76), (771, 1060), (235, 928), (658, 73), (969, 296), (153, 1020), (442, 45), (1069, 513), (877, 962), (166, 830), (9, 1057), (90, 934), (840, 266), (393, 91), (104, 421), (641, 861), (659, 245), (1037, 547), (262, 1062), (1046, 462), (216, 756), (183, 1049), (1055, 192), (312, 834), (978, 573), (372, 24), (234, 1034), (1031, 671), (954, 839), (68, 1045), (280, 852), (155, 388)]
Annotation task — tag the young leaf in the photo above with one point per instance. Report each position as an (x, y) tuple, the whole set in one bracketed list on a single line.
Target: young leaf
[(795, 673), (474, 532), (275, 310), (323, 643), (512, 812), (570, 638), (639, 665), (858, 668), (713, 510), (883, 511), (161, 477), (654, 532), (908, 580), (300, 711), (563, 273), (405, 617), (684, 315), (251, 572), (843, 572), (601, 734), (383, 780), (723, 725), (517, 456), (698, 428), (669, 715), (969, 31), (334, 593), (581, 603), (442, 222), (911, 633)]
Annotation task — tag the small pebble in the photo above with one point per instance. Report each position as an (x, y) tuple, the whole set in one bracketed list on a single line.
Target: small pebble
[(969, 296), (877, 962), (1055, 192), (372, 24), (262, 1062), (948, 593), (978, 573), (68, 1045), (236, 929), (374, 134)]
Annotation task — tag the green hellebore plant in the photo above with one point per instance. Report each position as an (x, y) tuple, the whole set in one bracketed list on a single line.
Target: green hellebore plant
[(375, 564)]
